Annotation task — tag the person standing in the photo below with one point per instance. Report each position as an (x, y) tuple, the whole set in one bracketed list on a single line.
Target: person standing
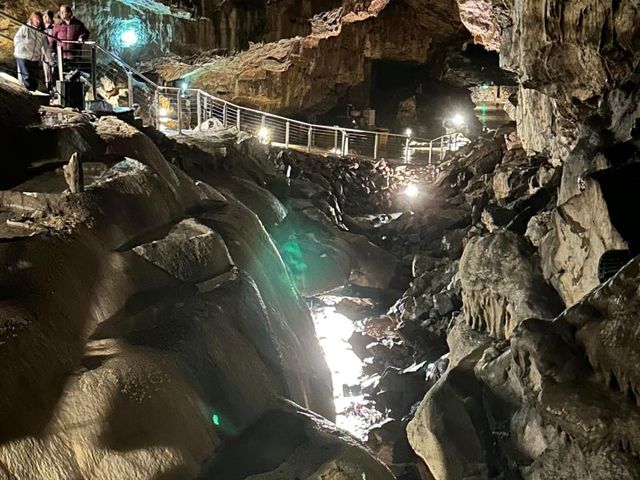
[(70, 33), (48, 67), (29, 47)]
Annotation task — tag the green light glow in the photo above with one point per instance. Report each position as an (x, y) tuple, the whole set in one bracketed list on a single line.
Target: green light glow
[(216, 419), (483, 108)]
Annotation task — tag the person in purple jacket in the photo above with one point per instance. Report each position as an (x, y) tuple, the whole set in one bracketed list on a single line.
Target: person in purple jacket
[(68, 31)]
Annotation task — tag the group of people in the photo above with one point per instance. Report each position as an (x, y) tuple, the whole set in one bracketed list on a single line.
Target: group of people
[(36, 45)]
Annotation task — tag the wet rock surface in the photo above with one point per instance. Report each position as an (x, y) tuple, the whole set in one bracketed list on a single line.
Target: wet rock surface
[(151, 318)]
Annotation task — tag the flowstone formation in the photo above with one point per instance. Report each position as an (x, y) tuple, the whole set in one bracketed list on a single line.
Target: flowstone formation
[(149, 320)]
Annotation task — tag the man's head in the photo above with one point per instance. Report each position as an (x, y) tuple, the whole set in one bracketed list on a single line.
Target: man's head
[(35, 19), (65, 12)]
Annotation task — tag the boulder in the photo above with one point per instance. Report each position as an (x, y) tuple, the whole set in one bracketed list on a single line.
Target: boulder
[(290, 442), (581, 232), (190, 251), (449, 430)]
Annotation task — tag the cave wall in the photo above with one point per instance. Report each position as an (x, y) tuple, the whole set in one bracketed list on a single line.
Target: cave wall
[(162, 27), (308, 74), (551, 393), (580, 58)]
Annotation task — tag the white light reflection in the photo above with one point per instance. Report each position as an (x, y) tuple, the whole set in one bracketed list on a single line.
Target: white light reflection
[(352, 411), (411, 191)]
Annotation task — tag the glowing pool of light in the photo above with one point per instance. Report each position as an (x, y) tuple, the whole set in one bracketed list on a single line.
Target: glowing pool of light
[(353, 413)]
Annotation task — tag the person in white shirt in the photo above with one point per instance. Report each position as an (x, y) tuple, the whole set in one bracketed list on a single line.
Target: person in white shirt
[(29, 47)]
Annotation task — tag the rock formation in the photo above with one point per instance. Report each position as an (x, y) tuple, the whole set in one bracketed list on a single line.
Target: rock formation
[(307, 74), (150, 318)]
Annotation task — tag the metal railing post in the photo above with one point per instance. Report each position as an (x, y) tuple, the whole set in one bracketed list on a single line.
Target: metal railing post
[(179, 110), (346, 144), (94, 83), (441, 148), (224, 115), (406, 153), (375, 146), (199, 112), (60, 64), (430, 151), (157, 101), (345, 147), (130, 87), (287, 128), (205, 107), (309, 135), (238, 119), (335, 139), (263, 121)]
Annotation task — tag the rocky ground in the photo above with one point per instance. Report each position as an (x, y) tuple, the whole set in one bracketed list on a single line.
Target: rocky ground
[(505, 354), (156, 323), (149, 319)]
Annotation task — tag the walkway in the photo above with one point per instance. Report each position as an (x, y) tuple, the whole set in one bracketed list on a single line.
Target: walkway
[(180, 110)]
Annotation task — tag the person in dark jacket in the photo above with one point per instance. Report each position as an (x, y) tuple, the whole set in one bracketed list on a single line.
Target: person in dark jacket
[(70, 33)]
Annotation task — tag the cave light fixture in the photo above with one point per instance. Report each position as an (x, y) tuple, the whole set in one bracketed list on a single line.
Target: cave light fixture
[(411, 191), (129, 38), (457, 120), (128, 34), (408, 132), (264, 135)]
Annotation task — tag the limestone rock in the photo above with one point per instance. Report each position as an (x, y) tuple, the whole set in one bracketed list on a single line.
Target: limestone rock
[(538, 227), (478, 17), (581, 233), (449, 430), (290, 442), (190, 252), (302, 74), (462, 340), (545, 125), (502, 284)]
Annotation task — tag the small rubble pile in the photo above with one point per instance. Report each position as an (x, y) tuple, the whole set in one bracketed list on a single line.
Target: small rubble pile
[(360, 186), (485, 188)]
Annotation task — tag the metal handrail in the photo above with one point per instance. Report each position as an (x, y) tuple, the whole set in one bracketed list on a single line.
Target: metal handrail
[(181, 101), (299, 122)]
